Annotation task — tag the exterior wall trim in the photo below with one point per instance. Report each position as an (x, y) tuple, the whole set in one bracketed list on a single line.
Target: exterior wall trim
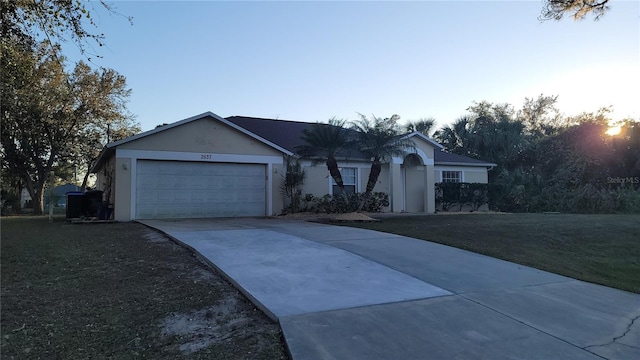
[(196, 156), (484, 165), (458, 168)]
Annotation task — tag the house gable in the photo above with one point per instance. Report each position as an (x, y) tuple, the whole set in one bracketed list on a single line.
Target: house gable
[(423, 148), (206, 135)]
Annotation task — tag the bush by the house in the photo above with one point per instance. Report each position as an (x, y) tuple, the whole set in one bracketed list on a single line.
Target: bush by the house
[(343, 203), (453, 196), (584, 199)]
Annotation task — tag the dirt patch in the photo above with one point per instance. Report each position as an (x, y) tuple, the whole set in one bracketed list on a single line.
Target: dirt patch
[(155, 237), (209, 326), (120, 291)]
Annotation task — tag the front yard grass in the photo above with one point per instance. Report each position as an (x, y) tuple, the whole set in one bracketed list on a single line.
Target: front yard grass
[(602, 249), (119, 291)]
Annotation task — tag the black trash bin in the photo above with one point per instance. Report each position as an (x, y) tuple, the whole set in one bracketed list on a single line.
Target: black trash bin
[(75, 204), (92, 202), (104, 213)]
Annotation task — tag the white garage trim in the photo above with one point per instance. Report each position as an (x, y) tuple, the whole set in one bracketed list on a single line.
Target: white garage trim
[(193, 156), (136, 155)]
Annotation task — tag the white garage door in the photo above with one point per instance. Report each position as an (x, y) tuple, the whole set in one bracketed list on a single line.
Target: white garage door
[(178, 189)]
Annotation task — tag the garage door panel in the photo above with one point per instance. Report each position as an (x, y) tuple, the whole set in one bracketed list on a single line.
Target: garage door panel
[(198, 182), (199, 197), (172, 189)]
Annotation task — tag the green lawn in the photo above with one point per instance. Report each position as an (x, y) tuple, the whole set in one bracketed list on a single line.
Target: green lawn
[(603, 249), (119, 291)]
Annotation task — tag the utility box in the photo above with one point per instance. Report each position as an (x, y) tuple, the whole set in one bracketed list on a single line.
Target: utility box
[(75, 204)]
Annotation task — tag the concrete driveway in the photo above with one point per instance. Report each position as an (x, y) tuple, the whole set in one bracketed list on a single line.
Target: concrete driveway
[(345, 293)]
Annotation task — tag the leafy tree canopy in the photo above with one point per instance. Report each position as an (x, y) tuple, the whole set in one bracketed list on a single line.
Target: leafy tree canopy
[(53, 117), (550, 162), (57, 21), (578, 9), (323, 142), (423, 126), (379, 139)]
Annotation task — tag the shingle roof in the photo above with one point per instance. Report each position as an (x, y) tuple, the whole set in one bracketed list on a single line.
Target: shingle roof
[(288, 134), (284, 133), (446, 158)]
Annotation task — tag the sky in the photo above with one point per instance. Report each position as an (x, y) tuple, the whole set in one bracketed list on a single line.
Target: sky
[(310, 61)]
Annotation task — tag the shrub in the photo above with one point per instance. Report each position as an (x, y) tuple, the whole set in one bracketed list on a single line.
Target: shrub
[(292, 181), (449, 195), (342, 203)]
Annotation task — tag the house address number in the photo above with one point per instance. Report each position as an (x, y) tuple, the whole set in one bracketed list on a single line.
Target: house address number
[(205, 157)]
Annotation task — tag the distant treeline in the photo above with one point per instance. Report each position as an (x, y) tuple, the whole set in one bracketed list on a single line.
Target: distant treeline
[(550, 162)]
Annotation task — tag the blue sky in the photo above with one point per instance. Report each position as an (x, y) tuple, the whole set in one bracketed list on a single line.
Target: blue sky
[(310, 61)]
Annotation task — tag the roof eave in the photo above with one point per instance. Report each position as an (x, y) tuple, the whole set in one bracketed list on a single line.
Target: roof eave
[(102, 157), (453, 163)]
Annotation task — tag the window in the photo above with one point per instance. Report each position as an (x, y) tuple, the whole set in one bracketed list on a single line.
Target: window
[(349, 179), (451, 176)]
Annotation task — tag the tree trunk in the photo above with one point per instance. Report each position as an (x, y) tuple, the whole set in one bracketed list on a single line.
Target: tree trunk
[(37, 197), (376, 168), (36, 188), (17, 188), (332, 166), (84, 181)]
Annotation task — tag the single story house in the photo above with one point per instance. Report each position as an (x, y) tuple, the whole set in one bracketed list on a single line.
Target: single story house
[(209, 166)]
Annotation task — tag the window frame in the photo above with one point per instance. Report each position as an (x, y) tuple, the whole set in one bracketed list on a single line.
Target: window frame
[(457, 179), (355, 176)]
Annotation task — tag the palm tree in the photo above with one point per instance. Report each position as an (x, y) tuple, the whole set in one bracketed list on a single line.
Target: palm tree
[(292, 181), (322, 143), (380, 140), (455, 137), (423, 126)]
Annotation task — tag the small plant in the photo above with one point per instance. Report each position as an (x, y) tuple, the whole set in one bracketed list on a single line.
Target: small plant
[(342, 203), (450, 195), (292, 181)]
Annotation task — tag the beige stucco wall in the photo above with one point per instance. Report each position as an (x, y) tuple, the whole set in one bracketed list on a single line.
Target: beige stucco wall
[(426, 147), (317, 181), (122, 199), (382, 185), (203, 136), (481, 177), (469, 174), (277, 170)]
